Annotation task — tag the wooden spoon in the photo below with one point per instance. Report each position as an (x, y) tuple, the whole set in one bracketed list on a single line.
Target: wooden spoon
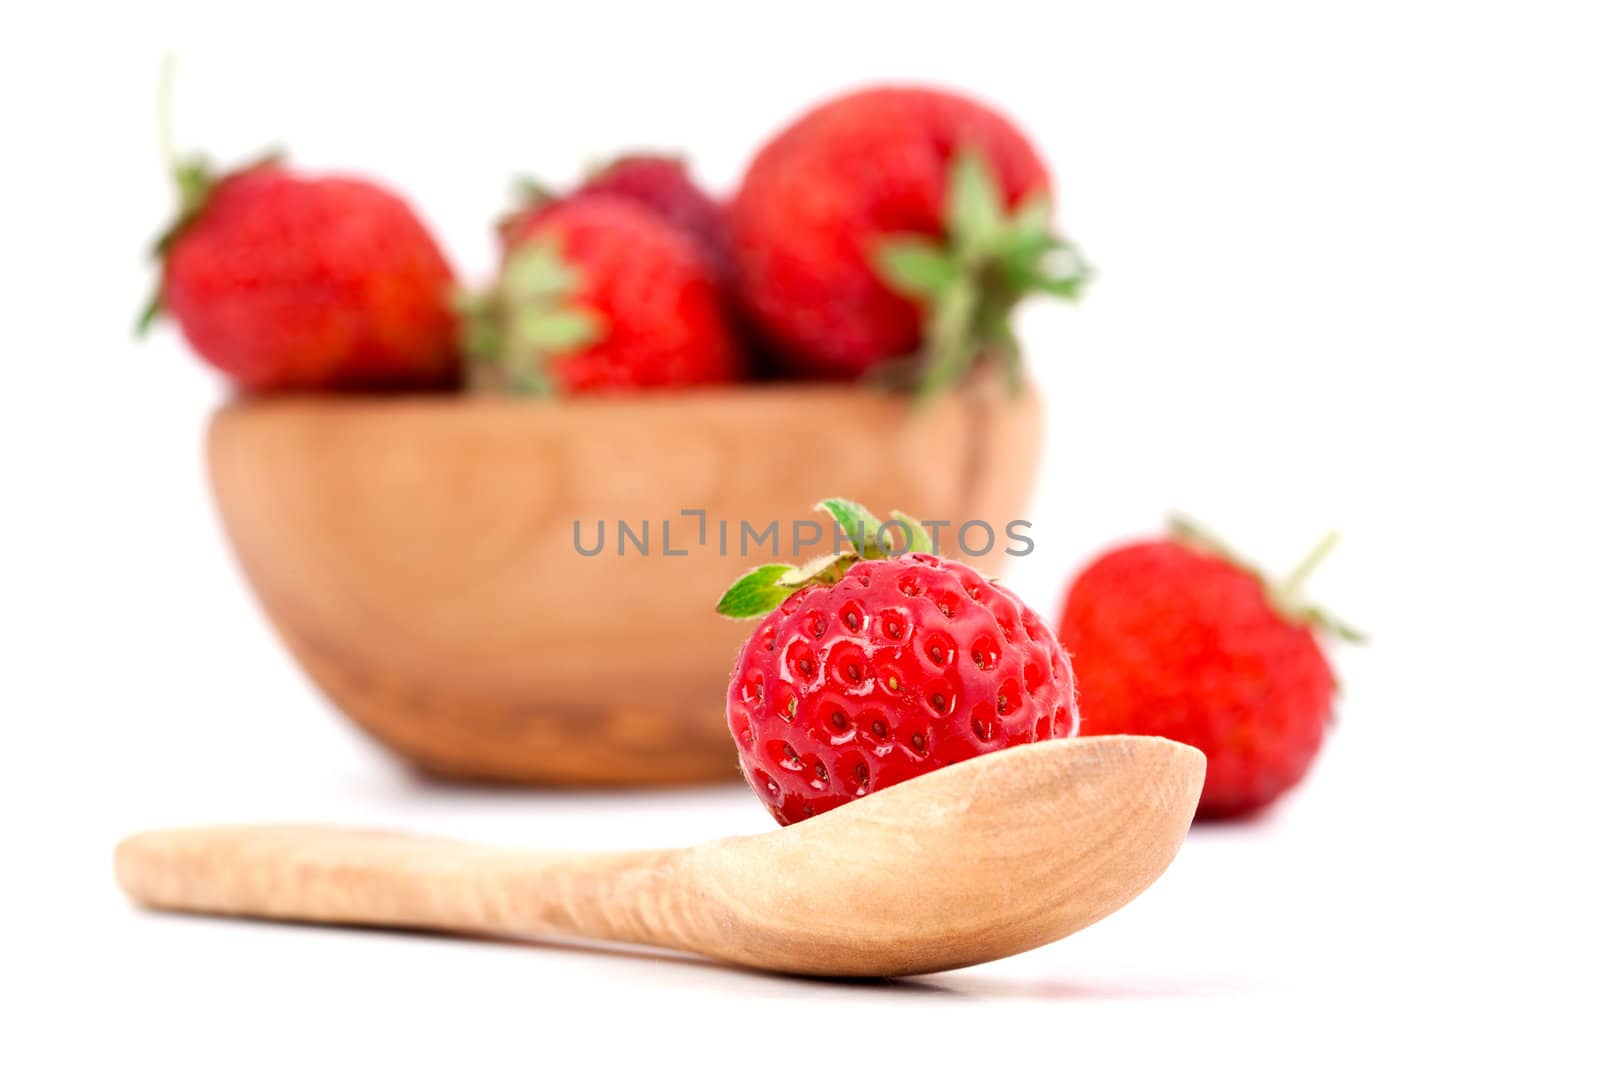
[(969, 863)]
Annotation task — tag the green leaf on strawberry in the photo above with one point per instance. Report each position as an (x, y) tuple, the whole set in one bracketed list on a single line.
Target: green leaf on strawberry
[(528, 318), (917, 539), (1286, 595), (970, 281), (917, 266), (758, 591), (536, 271), (858, 524)]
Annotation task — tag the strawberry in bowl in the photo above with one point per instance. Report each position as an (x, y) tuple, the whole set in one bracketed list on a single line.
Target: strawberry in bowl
[(403, 465)]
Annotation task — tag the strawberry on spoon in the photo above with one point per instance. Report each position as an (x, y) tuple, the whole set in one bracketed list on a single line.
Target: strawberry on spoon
[(872, 668)]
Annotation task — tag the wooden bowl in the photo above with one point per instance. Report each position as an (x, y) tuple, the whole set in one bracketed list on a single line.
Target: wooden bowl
[(417, 553)]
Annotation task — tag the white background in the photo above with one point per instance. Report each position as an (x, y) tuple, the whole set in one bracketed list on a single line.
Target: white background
[(1349, 257)]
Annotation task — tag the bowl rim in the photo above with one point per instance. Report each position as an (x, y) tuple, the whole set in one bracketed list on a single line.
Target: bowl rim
[(724, 395)]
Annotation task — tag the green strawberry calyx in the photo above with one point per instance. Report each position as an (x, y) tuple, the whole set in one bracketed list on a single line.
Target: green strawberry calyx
[(970, 280), (1287, 594), (759, 591), (513, 330), (194, 178)]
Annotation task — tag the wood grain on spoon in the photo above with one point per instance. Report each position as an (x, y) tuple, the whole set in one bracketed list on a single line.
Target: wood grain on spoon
[(970, 863)]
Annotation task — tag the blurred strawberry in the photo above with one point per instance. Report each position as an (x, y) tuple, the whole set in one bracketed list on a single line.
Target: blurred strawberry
[(1180, 639), (287, 281), (660, 183), (598, 293), (896, 222)]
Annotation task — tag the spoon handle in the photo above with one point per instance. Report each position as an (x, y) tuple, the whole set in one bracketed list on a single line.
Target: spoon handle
[(375, 878)]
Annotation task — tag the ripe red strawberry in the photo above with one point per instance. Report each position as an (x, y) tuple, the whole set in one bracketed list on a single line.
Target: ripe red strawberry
[(288, 281), (599, 294), (1178, 639), (896, 222), (663, 185), (870, 669)]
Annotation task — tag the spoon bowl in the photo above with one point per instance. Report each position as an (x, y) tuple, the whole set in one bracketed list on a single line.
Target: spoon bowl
[(973, 862)]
